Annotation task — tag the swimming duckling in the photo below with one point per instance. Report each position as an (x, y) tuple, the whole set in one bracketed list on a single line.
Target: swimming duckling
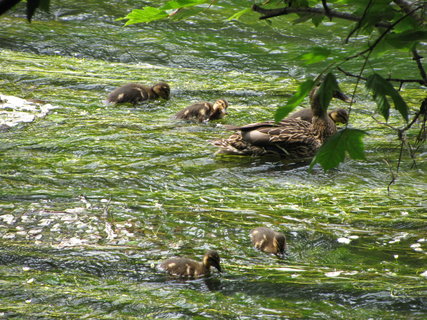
[(291, 139), (136, 93), (306, 114), (204, 111), (187, 268), (268, 241)]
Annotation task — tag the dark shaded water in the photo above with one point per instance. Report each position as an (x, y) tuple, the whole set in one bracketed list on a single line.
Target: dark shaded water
[(93, 197)]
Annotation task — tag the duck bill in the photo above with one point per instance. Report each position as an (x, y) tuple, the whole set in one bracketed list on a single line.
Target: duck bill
[(280, 255), (345, 118), (217, 266), (341, 96)]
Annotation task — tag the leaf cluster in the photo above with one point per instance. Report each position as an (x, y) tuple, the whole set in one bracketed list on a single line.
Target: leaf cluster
[(170, 8)]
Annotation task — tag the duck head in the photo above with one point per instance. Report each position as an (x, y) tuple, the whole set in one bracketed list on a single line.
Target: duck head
[(320, 100)]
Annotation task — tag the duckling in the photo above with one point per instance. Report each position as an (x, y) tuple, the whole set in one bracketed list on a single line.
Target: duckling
[(269, 241), (306, 114), (291, 139), (187, 268), (204, 111), (136, 93)]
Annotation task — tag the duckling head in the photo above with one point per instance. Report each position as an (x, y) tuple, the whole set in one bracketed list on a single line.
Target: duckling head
[(211, 258), (339, 115), (219, 109), (162, 89), (279, 243)]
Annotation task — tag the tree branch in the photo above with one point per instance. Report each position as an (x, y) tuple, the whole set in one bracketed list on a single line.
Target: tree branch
[(407, 7), (347, 73), (270, 13)]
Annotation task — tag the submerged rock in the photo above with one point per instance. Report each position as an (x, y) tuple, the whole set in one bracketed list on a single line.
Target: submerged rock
[(14, 110)]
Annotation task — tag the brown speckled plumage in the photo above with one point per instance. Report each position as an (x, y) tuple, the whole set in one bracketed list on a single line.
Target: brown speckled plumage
[(291, 139), (187, 268), (136, 93), (204, 111), (269, 241)]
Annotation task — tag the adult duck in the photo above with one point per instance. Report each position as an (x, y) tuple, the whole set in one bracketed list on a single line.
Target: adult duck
[(291, 139)]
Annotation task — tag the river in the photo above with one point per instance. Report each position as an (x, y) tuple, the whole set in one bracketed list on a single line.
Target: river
[(93, 197)]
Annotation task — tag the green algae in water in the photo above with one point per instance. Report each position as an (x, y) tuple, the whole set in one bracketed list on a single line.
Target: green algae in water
[(159, 204)]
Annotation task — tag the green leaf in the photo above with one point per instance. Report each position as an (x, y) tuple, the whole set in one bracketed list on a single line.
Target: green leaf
[(326, 90), (44, 5), (381, 89), (186, 13), (147, 14), (237, 15), (409, 23), (316, 54), (372, 12), (383, 105), (302, 91), (303, 17), (407, 39), (299, 3), (333, 151), (317, 19), (178, 4)]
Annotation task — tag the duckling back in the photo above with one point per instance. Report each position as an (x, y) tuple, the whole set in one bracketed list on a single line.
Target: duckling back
[(136, 93), (188, 268), (184, 267), (268, 240), (196, 112), (203, 111)]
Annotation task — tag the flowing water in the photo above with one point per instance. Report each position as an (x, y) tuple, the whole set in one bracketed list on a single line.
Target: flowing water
[(92, 197)]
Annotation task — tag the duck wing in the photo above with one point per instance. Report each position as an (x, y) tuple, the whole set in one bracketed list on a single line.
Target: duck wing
[(290, 138)]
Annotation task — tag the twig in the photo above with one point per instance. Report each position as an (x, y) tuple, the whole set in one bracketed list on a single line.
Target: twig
[(271, 13), (327, 10), (417, 59), (385, 124), (359, 23), (422, 111), (393, 176)]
